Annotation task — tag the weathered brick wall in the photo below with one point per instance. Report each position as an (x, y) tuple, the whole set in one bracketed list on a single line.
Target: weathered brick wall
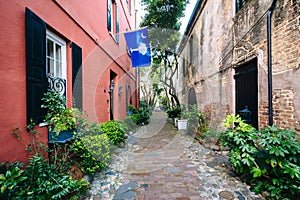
[(225, 40), (285, 57), (284, 109)]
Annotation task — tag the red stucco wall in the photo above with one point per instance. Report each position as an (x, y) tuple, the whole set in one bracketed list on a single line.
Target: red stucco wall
[(81, 22)]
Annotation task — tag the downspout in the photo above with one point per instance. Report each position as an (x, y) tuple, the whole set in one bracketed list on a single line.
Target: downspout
[(269, 35)]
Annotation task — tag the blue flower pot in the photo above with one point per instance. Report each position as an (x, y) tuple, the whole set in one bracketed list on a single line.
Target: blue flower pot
[(61, 138)]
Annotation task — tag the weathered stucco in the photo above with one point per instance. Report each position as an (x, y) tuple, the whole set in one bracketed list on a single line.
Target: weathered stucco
[(224, 40)]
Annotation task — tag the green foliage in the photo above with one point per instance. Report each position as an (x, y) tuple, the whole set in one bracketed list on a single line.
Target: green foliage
[(10, 176), (114, 132), (164, 101), (41, 180), (269, 159), (240, 137), (54, 103), (58, 116), (164, 14), (195, 118), (35, 145), (92, 152), (174, 112), (131, 108), (143, 114), (163, 18), (93, 129), (129, 121), (63, 121), (122, 125)]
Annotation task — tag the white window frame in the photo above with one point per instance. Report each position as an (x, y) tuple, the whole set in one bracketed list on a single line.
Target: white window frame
[(57, 41)]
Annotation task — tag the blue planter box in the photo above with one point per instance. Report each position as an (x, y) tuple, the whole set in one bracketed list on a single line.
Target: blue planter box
[(60, 138)]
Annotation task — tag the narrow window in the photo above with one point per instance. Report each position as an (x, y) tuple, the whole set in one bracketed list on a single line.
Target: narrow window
[(56, 56), (56, 67), (113, 19)]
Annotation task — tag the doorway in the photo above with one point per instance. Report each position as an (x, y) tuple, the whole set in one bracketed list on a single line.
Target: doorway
[(246, 90), (112, 82)]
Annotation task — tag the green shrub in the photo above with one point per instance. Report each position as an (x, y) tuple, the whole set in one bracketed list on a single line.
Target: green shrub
[(122, 125), (93, 129), (240, 137), (129, 121), (41, 180), (131, 108), (134, 118), (92, 152), (269, 159), (174, 112), (114, 132), (10, 177), (142, 116)]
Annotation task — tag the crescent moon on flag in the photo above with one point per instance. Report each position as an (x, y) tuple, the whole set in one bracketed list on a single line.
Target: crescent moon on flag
[(142, 35)]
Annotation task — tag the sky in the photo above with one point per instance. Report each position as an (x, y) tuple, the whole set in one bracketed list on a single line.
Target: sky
[(184, 21), (188, 12)]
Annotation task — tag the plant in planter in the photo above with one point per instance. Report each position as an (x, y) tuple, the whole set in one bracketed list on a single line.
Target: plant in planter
[(131, 109), (174, 112), (61, 120)]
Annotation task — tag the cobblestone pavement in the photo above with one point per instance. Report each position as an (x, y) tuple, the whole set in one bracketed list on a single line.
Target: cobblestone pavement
[(160, 162)]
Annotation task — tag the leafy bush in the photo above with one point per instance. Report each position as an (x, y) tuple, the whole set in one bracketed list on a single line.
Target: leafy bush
[(10, 176), (54, 103), (114, 132), (164, 101), (129, 121), (131, 108), (93, 129), (58, 116), (41, 180), (269, 159), (241, 138), (143, 114), (134, 118), (122, 125), (92, 152), (174, 112), (196, 119)]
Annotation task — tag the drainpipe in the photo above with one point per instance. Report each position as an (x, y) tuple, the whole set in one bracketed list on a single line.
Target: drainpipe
[(269, 35)]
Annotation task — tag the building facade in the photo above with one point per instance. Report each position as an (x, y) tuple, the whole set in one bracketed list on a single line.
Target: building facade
[(77, 47), (243, 54)]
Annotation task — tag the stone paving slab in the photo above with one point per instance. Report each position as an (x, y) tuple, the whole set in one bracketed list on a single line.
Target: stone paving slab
[(167, 164)]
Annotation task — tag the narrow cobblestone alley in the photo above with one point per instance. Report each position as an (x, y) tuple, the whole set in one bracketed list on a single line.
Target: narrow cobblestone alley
[(160, 162)]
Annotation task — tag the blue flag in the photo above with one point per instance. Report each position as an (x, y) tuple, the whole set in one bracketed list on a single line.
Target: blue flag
[(139, 47)]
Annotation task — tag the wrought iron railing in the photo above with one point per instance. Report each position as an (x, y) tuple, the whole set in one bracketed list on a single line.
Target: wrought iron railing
[(57, 84)]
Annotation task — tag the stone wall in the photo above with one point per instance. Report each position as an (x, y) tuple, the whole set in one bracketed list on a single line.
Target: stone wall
[(224, 40)]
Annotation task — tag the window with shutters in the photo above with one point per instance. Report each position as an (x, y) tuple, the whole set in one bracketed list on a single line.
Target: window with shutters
[(113, 19), (46, 65)]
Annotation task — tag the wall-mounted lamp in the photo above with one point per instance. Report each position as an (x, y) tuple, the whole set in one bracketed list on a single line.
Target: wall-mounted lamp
[(111, 86), (120, 89)]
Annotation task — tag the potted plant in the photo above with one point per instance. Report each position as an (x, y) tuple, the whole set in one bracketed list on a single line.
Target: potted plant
[(131, 109), (61, 120), (182, 123), (174, 113)]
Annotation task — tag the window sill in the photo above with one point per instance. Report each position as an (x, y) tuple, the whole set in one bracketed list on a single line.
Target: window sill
[(42, 124)]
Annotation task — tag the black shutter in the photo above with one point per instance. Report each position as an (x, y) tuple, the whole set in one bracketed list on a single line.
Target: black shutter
[(77, 75), (36, 81)]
